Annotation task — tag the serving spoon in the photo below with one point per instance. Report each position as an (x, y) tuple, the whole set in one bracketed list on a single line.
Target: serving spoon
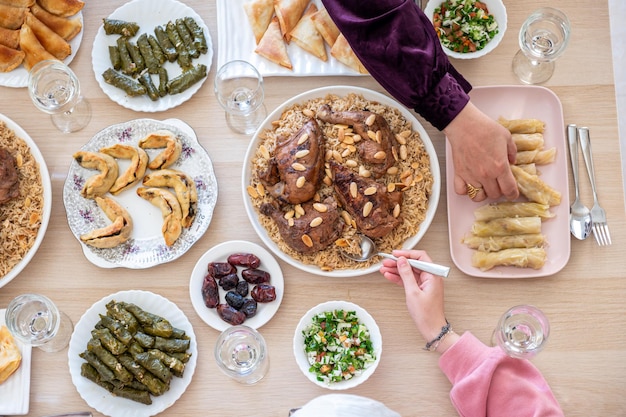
[(369, 250), (579, 215)]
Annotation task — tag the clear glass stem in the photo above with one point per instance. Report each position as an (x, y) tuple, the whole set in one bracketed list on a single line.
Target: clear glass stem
[(74, 119), (531, 71)]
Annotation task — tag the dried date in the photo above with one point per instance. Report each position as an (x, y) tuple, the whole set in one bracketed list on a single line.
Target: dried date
[(242, 288), (249, 307), (230, 281), (244, 259), (230, 314), (210, 292), (234, 300), (255, 276), (220, 269), (263, 293)]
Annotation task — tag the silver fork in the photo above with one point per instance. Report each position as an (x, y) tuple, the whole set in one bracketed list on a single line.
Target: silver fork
[(598, 215)]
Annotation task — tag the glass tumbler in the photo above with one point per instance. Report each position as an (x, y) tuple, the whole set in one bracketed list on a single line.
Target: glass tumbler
[(522, 331), (35, 320), (241, 353), (239, 90)]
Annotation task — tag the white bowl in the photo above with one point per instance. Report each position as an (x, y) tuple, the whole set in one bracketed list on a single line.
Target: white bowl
[(496, 8), (339, 91), (364, 317)]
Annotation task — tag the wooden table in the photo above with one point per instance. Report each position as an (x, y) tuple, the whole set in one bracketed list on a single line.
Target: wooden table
[(584, 362)]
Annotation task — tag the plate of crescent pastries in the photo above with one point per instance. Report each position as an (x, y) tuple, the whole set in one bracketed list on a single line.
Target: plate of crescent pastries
[(284, 37), (140, 193), (34, 30)]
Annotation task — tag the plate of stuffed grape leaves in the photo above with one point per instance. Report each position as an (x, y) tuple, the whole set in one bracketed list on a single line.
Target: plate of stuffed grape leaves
[(529, 237), (133, 353), (152, 55)]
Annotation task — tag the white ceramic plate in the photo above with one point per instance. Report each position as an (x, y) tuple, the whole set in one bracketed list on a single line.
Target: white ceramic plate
[(517, 102), (364, 317), (148, 14), (220, 253), (47, 199), (340, 91), (236, 41), (146, 247), (17, 387), (496, 8), (19, 76), (99, 398)]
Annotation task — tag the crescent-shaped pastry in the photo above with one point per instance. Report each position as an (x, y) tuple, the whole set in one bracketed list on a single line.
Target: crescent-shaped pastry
[(18, 3), (65, 28), (10, 37), (98, 184), (48, 38), (115, 233), (170, 209), (10, 58), (162, 139), (183, 185), (32, 48), (306, 35), (62, 8), (135, 171), (259, 14), (12, 17)]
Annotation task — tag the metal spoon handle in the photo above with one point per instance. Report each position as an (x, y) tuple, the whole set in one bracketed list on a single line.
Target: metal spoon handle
[(572, 137), (430, 267)]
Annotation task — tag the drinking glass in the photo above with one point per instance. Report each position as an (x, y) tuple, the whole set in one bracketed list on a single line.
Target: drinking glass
[(542, 39), (239, 90), (522, 331), (35, 320), (241, 353), (54, 89)]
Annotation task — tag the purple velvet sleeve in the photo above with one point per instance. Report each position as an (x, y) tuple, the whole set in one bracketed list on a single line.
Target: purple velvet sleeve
[(398, 45)]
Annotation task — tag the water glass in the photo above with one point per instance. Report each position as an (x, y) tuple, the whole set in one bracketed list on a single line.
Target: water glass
[(54, 89), (241, 353), (522, 331), (542, 39), (35, 320), (239, 90)]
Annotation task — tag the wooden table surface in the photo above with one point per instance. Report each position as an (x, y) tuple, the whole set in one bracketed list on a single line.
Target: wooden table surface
[(584, 361)]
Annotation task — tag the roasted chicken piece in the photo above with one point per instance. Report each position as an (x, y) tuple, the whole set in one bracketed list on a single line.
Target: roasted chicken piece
[(377, 141), (9, 184), (374, 209), (297, 166), (313, 231)]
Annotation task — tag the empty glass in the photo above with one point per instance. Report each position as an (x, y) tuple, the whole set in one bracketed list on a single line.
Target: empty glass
[(54, 88), (35, 320), (542, 39), (239, 90), (522, 331), (241, 353)]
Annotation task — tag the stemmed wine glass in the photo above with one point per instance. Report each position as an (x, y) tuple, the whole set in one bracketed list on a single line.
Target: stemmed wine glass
[(35, 320), (522, 331), (542, 39), (54, 88), (241, 353), (239, 90)]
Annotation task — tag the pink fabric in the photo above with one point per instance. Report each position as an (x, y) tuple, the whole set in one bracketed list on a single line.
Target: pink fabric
[(487, 382)]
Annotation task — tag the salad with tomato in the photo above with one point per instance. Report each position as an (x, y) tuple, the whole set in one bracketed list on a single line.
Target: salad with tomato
[(464, 26)]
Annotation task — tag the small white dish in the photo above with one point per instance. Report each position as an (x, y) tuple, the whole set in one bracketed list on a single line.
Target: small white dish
[(19, 76), (220, 253), (98, 397), (17, 386), (146, 247), (148, 14), (47, 199), (364, 318), (496, 8)]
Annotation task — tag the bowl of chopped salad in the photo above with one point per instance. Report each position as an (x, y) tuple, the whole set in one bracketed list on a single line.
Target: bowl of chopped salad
[(337, 345), (468, 29)]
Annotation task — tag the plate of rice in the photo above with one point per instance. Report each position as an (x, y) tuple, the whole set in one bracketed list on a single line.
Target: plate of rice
[(415, 172), (24, 218)]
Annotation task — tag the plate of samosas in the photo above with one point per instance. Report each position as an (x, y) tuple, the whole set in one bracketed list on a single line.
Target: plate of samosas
[(284, 37), (31, 31), (140, 193)]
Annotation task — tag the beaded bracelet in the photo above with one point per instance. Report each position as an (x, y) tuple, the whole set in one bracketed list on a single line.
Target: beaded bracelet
[(434, 344)]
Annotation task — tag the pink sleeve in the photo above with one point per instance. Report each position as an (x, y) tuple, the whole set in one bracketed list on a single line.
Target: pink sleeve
[(485, 381)]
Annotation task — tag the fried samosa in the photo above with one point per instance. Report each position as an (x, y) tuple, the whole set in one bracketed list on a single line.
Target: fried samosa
[(342, 51), (306, 36), (272, 46), (289, 13), (259, 14), (325, 26)]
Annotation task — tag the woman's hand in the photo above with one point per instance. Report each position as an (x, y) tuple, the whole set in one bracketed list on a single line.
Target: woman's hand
[(482, 150)]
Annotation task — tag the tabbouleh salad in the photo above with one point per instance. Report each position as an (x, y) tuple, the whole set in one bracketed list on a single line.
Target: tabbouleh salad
[(338, 346), (464, 25)]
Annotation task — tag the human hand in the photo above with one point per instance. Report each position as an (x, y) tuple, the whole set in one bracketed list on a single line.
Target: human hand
[(423, 291), (482, 150)]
